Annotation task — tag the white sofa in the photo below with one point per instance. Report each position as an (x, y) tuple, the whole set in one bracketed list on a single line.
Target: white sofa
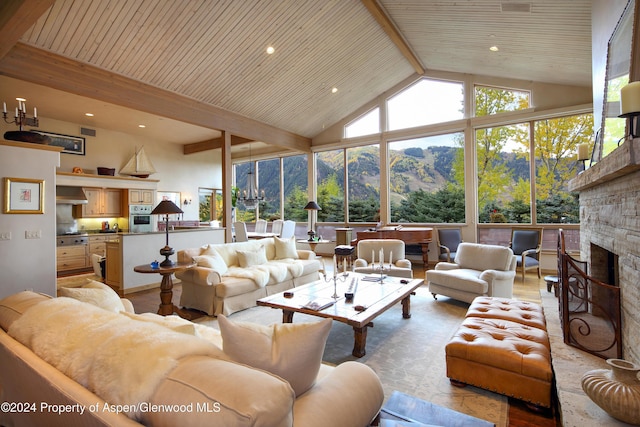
[(67, 362), (369, 250), (230, 277), (477, 270)]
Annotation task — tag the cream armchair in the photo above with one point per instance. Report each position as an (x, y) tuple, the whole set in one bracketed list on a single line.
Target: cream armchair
[(370, 248), (477, 270)]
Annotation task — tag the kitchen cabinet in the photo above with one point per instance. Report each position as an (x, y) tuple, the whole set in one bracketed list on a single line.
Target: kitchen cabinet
[(98, 244), (71, 257), (102, 202), (141, 197), (113, 265)]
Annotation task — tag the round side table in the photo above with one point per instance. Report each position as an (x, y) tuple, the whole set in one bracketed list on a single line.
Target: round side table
[(166, 287)]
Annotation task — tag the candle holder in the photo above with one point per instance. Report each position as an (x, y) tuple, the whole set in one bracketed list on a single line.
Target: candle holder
[(21, 120), (336, 277), (382, 270)]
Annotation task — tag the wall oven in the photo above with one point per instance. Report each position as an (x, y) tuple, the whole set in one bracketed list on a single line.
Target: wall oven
[(140, 219)]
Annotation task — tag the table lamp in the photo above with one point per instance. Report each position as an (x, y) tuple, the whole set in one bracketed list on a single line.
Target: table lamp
[(312, 206), (166, 207)]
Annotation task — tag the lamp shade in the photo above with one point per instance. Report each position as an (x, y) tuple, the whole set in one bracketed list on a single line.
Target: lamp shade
[(312, 206), (166, 207)]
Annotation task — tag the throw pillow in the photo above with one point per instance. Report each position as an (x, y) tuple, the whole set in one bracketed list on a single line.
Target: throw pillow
[(293, 351), (95, 293), (212, 261), (285, 248), (249, 258)]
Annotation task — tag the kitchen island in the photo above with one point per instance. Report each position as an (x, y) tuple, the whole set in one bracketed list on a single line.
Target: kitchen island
[(132, 249)]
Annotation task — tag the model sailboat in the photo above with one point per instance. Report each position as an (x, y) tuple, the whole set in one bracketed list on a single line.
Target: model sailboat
[(139, 165)]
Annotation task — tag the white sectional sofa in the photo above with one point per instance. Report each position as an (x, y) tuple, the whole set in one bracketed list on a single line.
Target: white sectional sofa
[(230, 277), (66, 362)]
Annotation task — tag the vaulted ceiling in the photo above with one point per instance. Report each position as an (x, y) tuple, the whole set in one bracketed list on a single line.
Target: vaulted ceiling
[(193, 67)]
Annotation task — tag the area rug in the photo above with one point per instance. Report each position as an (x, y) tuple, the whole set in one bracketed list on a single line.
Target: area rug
[(407, 354)]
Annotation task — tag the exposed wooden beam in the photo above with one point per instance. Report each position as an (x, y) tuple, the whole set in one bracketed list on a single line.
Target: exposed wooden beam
[(28, 63), (16, 17), (213, 144), (387, 24)]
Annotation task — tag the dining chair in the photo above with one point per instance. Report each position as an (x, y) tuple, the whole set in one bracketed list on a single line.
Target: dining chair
[(288, 229), (241, 231), (276, 226), (448, 241), (261, 226), (526, 244)]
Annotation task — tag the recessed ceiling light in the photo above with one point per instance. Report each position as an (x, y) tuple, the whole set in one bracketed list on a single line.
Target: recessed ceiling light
[(334, 89), (270, 50), (141, 126), (494, 48), (88, 114)]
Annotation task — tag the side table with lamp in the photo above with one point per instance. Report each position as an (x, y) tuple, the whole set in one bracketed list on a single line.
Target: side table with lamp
[(167, 267)]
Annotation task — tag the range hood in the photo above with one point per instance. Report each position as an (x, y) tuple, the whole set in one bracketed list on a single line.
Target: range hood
[(70, 195)]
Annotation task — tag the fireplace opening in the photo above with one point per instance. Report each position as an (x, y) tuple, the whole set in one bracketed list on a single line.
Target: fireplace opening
[(604, 265)]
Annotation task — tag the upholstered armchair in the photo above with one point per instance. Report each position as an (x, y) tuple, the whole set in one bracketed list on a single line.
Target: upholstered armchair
[(448, 241), (369, 250), (477, 270), (526, 244)]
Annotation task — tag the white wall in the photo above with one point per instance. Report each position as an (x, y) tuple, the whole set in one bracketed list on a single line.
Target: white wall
[(29, 264)]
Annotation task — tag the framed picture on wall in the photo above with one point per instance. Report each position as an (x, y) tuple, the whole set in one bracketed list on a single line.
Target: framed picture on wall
[(70, 144), (23, 196)]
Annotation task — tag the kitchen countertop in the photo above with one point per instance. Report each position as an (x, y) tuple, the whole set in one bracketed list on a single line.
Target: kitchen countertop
[(127, 233)]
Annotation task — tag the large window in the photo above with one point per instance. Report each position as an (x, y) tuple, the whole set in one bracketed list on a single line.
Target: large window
[(426, 102), (367, 124), (504, 180), (503, 165), (556, 142), (363, 177), (330, 185), (494, 100), (295, 170), (269, 181), (427, 179)]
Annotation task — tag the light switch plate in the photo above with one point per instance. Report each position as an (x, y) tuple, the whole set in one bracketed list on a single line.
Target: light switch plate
[(5, 235), (33, 234)]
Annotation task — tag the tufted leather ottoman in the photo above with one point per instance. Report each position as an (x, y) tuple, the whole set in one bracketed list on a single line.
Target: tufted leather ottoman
[(503, 346), (523, 312)]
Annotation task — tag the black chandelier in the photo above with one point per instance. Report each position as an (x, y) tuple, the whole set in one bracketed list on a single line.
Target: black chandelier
[(251, 196)]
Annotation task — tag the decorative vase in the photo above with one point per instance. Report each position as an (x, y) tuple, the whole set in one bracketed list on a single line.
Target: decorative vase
[(615, 390)]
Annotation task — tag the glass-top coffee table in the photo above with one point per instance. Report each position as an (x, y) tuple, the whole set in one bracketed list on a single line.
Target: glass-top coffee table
[(370, 299)]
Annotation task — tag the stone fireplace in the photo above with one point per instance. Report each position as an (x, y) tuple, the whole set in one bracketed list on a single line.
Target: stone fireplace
[(610, 232)]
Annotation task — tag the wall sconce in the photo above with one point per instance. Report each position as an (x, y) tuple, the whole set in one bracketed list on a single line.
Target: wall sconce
[(186, 202), (630, 106)]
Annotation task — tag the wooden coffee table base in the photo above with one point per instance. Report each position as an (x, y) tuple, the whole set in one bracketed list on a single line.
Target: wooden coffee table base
[(359, 332)]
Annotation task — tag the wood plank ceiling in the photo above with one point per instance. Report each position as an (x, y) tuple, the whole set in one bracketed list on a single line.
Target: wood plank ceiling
[(213, 52)]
